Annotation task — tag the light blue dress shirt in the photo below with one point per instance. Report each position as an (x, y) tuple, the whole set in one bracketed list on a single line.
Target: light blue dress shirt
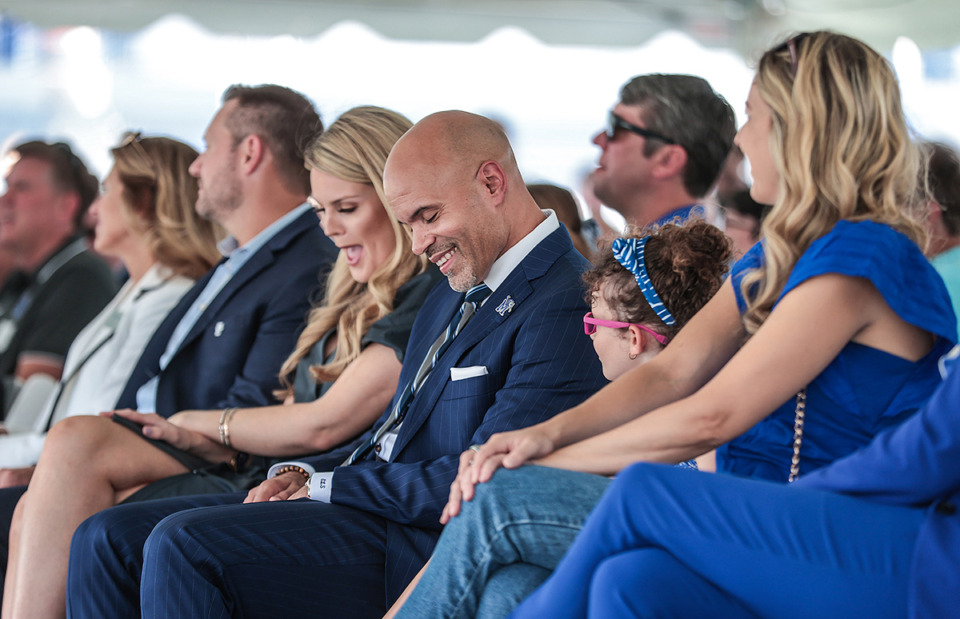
[(237, 257)]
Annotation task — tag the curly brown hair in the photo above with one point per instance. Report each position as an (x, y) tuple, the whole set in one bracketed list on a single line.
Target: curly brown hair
[(686, 264)]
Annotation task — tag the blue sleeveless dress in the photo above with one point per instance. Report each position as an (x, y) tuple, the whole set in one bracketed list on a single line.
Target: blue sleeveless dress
[(863, 390)]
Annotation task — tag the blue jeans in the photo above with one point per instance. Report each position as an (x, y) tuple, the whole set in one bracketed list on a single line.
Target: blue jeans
[(530, 516), (670, 543)]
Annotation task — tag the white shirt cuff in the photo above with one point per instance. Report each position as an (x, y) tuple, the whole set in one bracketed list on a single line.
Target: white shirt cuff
[(273, 469), (320, 486)]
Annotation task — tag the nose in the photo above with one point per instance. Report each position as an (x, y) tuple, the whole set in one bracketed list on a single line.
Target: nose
[(420, 240), (94, 209), (601, 139), (736, 137), (194, 168), (331, 222)]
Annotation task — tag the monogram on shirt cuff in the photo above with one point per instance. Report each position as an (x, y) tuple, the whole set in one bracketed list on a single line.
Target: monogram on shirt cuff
[(320, 486)]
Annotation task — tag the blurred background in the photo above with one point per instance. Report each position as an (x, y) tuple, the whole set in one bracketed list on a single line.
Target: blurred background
[(548, 70)]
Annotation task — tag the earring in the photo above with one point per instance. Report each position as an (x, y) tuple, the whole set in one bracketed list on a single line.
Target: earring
[(632, 357)]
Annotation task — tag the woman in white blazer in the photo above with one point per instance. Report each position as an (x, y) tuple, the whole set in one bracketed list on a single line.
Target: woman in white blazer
[(145, 218)]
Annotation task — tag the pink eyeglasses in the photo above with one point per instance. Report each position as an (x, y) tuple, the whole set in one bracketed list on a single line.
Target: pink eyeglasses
[(590, 325)]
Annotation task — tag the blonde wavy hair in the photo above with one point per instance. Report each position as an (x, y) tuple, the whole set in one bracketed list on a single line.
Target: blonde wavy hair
[(355, 149), (842, 148), (159, 199)]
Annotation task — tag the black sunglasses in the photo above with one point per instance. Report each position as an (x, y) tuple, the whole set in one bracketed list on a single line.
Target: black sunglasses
[(614, 122)]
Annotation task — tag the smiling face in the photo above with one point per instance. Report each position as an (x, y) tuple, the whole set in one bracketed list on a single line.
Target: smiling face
[(352, 215), (754, 140), (216, 169), (110, 212), (449, 219)]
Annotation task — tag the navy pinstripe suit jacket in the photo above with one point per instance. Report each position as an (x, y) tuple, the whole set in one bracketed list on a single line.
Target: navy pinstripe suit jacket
[(538, 363)]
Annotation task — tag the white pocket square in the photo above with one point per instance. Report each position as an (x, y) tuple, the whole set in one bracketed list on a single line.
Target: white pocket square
[(470, 372)]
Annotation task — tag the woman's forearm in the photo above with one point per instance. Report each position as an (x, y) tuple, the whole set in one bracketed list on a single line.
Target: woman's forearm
[(698, 352), (345, 410), (745, 390), (672, 434)]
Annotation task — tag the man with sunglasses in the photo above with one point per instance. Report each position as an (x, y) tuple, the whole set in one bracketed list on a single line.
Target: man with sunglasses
[(663, 148)]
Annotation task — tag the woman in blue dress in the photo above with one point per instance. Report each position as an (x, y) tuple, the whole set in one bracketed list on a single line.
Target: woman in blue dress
[(825, 334)]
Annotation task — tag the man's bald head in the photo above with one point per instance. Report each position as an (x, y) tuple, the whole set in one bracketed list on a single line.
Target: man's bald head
[(454, 141), (453, 179)]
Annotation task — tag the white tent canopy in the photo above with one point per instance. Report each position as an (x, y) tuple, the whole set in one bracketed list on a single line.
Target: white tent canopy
[(744, 25), (160, 65)]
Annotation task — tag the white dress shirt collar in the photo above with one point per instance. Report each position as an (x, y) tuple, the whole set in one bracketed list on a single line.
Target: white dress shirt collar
[(505, 264)]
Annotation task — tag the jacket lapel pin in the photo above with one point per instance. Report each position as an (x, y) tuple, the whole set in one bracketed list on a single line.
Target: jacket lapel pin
[(506, 306), (218, 329)]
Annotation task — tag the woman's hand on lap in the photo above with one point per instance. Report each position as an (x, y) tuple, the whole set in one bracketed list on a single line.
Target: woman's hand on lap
[(478, 464)]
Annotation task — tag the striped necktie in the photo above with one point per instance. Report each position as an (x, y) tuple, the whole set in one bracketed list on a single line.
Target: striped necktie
[(471, 302)]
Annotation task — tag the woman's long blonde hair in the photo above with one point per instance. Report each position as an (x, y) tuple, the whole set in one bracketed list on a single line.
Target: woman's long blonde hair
[(160, 197), (355, 149), (842, 148)]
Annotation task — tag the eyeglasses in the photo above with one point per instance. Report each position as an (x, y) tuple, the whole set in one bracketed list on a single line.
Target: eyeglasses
[(614, 122), (590, 325)]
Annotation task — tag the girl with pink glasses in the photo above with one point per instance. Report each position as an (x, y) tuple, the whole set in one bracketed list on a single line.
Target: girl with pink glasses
[(647, 285)]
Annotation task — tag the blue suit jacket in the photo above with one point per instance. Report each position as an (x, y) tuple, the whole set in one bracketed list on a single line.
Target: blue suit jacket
[(232, 355), (915, 464), (538, 363)]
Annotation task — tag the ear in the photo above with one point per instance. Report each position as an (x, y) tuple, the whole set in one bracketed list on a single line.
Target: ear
[(635, 342), (671, 159), (251, 153), (934, 212), (938, 231), (639, 341), (493, 180), (70, 206), (143, 205)]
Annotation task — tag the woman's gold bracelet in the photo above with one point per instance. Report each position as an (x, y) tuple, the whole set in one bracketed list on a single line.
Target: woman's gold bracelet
[(225, 417)]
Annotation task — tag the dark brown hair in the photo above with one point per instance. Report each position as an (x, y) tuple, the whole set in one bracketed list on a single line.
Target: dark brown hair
[(283, 118), (562, 202), (943, 181), (68, 172), (686, 109), (686, 264)]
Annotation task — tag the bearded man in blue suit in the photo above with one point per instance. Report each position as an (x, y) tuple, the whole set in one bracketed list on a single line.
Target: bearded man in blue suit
[(507, 354)]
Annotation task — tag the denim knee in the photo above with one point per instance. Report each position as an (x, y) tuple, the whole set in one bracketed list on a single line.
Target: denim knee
[(535, 494)]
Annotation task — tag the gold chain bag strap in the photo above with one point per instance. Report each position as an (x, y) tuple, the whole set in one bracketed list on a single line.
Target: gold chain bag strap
[(797, 435)]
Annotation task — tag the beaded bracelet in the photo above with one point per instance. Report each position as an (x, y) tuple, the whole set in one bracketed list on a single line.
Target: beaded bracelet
[(225, 417), (292, 468)]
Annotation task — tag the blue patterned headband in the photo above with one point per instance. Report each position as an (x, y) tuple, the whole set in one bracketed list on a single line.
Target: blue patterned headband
[(629, 253)]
